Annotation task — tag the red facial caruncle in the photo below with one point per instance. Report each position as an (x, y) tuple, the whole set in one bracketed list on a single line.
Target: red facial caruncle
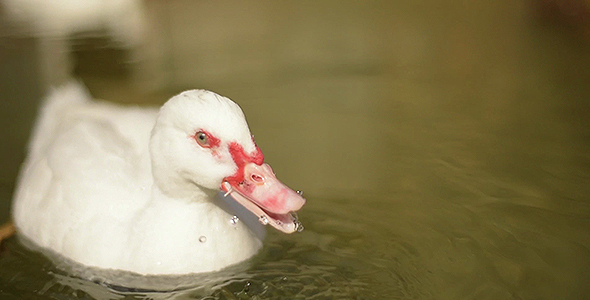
[(241, 158), (256, 186)]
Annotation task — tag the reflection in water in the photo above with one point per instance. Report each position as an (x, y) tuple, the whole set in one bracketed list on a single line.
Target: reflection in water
[(444, 147)]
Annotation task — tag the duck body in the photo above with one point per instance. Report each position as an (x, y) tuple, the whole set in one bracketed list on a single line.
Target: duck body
[(133, 189)]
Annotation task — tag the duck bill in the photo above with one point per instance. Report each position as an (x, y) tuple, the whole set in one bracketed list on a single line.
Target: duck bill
[(265, 196)]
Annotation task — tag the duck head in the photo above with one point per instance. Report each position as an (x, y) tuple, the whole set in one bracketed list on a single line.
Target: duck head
[(201, 144)]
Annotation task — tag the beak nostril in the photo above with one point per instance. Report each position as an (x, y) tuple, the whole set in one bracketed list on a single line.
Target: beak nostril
[(257, 178)]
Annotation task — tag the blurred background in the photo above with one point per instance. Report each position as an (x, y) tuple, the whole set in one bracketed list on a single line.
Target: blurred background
[(443, 146)]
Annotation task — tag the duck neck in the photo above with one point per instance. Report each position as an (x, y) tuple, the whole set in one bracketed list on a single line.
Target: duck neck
[(181, 190)]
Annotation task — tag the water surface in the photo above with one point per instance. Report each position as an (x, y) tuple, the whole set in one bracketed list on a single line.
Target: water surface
[(444, 148)]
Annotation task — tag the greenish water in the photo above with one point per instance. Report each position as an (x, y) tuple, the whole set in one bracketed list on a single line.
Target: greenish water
[(444, 148)]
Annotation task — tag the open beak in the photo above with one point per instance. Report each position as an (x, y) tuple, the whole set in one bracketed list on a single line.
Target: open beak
[(264, 195)]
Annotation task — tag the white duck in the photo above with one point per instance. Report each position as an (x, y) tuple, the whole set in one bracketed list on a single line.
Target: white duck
[(138, 190)]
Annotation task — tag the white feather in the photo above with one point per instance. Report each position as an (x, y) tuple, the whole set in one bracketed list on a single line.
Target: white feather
[(128, 188)]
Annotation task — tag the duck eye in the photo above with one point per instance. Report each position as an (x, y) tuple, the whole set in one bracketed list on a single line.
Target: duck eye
[(202, 139)]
